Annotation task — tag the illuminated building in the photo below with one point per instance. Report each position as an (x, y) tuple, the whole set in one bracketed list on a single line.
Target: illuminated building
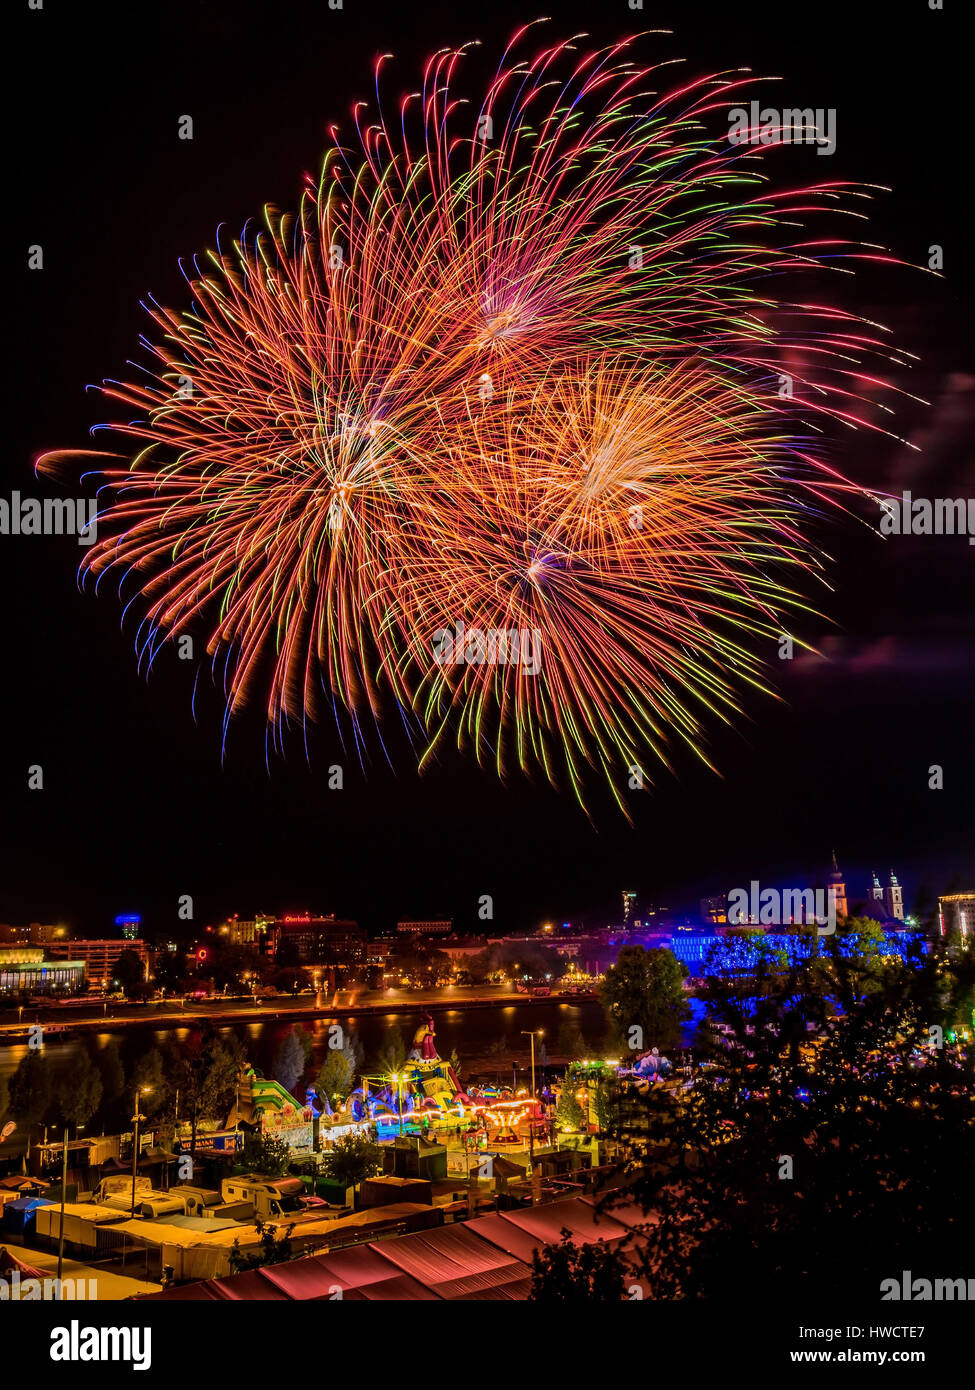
[(894, 898), (434, 928), (715, 910), (629, 906), (99, 957), (23, 969), (130, 924), (836, 887), (322, 940), (36, 934), (255, 931), (956, 914)]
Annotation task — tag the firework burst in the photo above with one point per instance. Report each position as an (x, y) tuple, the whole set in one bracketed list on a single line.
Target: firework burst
[(513, 368)]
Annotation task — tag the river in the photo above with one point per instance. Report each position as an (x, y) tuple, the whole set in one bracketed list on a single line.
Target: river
[(475, 1034)]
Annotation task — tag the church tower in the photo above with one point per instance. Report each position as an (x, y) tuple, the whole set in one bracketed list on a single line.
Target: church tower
[(876, 892), (894, 898), (836, 888)]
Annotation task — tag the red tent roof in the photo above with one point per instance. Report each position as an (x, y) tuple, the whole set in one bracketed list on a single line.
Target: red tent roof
[(8, 1263), (487, 1258), (456, 1263)]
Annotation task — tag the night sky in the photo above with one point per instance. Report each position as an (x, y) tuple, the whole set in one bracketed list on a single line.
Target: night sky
[(137, 808)]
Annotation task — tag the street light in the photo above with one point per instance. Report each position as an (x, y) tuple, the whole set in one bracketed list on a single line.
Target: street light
[(143, 1090), (526, 1034), (531, 1122), (64, 1185)]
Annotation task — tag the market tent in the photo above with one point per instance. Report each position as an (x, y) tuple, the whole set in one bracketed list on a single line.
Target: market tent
[(547, 1221), (365, 1269), (9, 1263), (628, 1212), (360, 1272), (19, 1216), (457, 1264), (201, 1291), (82, 1221), (248, 1286), (200, 1249), (523, 1231), (512, 1239)]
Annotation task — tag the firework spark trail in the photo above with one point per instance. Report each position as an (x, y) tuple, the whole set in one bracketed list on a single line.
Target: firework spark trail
[(511, 364)]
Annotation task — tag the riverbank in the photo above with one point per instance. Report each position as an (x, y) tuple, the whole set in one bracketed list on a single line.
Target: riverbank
[(55, 1022)]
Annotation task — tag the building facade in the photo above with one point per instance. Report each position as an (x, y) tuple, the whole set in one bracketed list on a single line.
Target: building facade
[(956, 914), (323, 940), (99, 957), (439, 927), (23, 970)]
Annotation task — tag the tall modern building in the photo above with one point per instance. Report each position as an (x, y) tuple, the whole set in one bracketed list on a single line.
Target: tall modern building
[(629, 907)]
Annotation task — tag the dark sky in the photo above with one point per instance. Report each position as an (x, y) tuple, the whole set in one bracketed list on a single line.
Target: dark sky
[(137, 808)]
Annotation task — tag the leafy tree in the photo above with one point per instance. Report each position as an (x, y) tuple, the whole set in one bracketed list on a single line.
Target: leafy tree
[(109, 1063), (274, 1249), (287, 953), (228, 964), (130, 973), (30, 1093), (570, 1273), (393, 1052), (336, 1075), (569, 1114), (150, 1079), (570, 1042), (802, 1159), (264, 1153), (205, 1078), (604, 1103), (170, 970), (79, 1092), (289, 979), (290, 1059), (351, 1160), (30, 1089), (644, 990), (422, 964), (520, 960)]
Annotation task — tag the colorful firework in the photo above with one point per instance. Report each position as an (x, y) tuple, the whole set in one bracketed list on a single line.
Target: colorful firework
[(510, 382)]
